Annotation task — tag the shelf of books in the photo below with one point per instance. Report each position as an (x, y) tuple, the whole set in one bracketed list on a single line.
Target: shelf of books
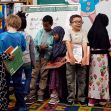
[(12, 1)]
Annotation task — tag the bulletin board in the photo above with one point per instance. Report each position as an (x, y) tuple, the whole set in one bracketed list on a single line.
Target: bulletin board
[(59, 13), (51, 2)]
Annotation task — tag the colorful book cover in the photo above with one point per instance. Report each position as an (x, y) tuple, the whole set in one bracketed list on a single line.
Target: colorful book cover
[(13, 65)]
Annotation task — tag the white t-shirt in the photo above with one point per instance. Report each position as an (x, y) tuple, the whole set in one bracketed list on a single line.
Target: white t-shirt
[(76, 37)]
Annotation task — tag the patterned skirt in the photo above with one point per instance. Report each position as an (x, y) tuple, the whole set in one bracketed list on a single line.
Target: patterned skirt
[(3, 89), (99, 77)]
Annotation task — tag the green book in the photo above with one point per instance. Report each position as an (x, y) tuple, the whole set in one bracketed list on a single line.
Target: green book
[(13, 65)]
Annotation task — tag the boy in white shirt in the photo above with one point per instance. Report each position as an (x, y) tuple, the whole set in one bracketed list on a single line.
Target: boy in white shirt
[(76, 72)]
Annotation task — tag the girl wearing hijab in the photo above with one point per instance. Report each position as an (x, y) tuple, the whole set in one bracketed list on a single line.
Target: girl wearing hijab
[(98, 72), (58, 54)]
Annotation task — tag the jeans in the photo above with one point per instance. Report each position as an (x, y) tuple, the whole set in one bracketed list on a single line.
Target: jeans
[(27, 68)]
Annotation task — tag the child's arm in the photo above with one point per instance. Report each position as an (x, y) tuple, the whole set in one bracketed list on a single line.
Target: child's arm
[(32, 52), (23, 43), (84, 45)]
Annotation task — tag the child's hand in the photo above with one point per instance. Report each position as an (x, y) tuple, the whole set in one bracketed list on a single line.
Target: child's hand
[(110, 53), (11, 57), (72, 60), (63, 60), (43, 46), (83, 62)]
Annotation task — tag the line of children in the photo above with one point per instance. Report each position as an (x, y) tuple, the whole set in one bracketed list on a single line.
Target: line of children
[(47, 48)]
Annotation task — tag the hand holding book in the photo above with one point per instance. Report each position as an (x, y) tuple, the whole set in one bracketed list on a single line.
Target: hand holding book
[(15, 60)]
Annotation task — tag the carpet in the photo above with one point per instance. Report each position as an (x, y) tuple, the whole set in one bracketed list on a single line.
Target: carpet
[(44, 106)]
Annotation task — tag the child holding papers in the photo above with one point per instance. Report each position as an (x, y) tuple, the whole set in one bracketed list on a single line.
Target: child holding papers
[(76, 42), (14, 38)]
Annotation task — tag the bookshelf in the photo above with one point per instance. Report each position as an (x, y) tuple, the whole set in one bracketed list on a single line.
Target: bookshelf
[(12, 1)]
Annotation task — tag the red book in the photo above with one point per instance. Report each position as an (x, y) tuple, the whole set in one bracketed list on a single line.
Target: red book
[(53, 65)]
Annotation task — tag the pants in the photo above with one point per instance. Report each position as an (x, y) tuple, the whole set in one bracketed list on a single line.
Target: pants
[(27, 70), (19, 91), (76, 81), (43, 77)]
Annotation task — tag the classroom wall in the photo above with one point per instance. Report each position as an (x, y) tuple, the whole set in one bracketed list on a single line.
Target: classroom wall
[(101, 6)]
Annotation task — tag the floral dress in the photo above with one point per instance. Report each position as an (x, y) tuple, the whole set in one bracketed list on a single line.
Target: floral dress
[(99, 77), (3, 85)]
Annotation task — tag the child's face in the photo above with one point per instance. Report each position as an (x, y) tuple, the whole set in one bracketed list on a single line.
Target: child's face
[(56, 36), (77, 24), (47, 26)]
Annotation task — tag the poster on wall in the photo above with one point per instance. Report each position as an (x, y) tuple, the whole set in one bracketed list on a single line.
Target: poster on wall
[(60, 15), (90, 8)]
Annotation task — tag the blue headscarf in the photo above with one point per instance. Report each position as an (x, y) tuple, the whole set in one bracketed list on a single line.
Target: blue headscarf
[(59, 48)]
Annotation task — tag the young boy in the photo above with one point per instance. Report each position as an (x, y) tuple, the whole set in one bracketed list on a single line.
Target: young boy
[(43, 44), (76, 72), (14, 38), (28, 54)]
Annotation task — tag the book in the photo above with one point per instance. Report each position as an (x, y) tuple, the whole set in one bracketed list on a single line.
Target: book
[(9, 50), (77, 52), (53, 65), (13, 65)]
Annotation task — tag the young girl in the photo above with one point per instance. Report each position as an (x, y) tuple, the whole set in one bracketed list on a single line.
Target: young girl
[(98, 72), (58, 53)]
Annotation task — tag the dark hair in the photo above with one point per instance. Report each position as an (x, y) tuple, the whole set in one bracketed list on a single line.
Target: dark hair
[(22, 15), (74, 16), (48, 18), (98, 35)]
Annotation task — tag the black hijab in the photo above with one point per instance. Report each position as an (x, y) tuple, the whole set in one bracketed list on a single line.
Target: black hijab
[(98, 35)]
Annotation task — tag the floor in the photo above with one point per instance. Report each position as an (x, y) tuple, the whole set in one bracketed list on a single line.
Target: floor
[(44, 106)]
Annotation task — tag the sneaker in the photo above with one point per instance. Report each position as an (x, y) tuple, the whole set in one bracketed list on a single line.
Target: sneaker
[(30, 101), (40, 98), (91, 102), (54, 101), (70, 103), (102, 102), (54, 96)]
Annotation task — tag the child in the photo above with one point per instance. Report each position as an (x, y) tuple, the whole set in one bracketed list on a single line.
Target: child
[(98, 72), (14, 38), (76, 73), (28, 54), (43, 44), (58, 54)]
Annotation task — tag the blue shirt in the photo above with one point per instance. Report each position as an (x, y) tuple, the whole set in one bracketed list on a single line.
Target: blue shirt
[(47, 40), (8, 39)]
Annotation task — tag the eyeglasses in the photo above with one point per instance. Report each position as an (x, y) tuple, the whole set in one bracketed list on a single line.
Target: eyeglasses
[(79, 22)]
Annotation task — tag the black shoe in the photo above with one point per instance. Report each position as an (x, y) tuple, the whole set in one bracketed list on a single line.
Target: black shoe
[(83, 103), (30, 101)]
